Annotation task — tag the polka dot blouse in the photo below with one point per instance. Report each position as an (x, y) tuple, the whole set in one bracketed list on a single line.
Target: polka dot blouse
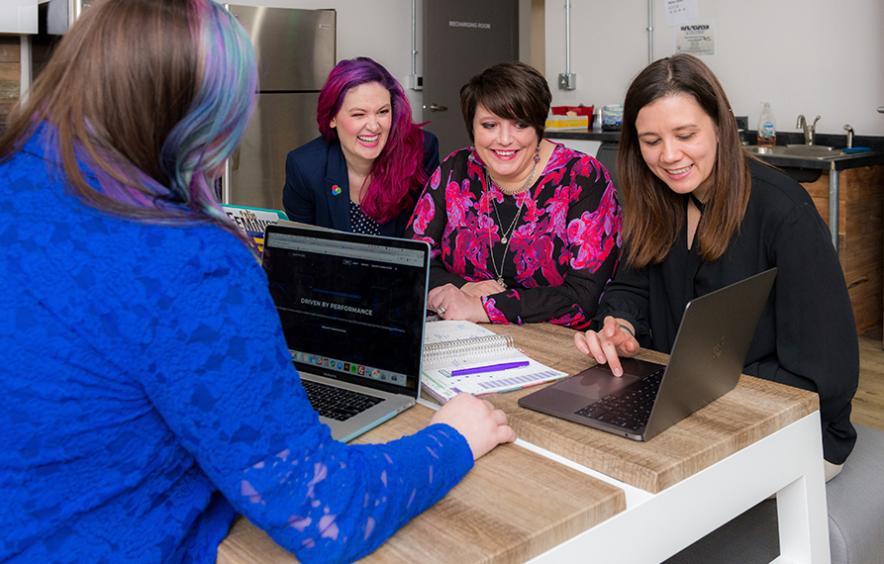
[(361, 223)]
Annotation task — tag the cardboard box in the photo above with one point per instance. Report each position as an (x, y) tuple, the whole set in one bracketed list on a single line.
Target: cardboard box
[(568, 122)]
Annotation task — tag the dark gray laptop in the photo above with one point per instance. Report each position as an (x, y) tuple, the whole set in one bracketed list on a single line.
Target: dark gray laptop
[(352, 309), (706, 362)]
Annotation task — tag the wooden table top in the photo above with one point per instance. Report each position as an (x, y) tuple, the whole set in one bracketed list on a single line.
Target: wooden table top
[(754, 409), (512, 506)]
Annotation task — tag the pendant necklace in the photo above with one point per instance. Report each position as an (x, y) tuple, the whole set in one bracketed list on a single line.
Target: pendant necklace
[(505, 239), (506, 234)]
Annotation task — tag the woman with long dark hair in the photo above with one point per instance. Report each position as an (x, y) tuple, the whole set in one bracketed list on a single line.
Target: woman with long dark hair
[(147, 394), (363, 172), (700, 214)]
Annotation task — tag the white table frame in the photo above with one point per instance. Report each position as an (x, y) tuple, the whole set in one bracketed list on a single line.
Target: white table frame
[(656, 526)]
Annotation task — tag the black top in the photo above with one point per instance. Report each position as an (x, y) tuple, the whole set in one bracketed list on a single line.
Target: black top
[(361, 223), (806, 335), (317, 186)]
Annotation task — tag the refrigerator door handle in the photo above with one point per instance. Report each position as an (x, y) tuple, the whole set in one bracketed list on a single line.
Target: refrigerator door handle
[(223, 186), (234, 160), (436, 108)]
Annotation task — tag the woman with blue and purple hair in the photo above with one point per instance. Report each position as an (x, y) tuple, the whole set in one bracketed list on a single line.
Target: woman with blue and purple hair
[(140, 413), (364, 171)]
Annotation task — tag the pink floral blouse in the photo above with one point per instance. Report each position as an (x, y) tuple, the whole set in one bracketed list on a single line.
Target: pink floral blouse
[(555, 245)]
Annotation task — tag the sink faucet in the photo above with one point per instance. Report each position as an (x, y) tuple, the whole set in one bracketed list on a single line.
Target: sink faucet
[(849, 131), (809, 130)]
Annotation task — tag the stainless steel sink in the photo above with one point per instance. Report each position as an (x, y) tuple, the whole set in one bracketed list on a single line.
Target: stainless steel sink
[(813, 150), (820, 152)]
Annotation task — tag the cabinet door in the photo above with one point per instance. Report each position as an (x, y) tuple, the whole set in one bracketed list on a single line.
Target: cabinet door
[(18, 16), (860, 237)]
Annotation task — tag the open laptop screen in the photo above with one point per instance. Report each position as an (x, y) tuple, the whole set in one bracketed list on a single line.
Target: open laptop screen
[(351, 306)]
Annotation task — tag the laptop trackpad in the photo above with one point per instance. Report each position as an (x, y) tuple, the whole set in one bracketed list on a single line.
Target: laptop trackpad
[(594, 383)]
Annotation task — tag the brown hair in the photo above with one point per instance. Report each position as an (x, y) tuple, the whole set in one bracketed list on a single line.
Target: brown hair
[(653, 214), (107, 102), (151, 96), (513, 91)]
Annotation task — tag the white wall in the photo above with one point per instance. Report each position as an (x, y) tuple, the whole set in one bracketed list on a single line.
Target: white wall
[(803, 56)]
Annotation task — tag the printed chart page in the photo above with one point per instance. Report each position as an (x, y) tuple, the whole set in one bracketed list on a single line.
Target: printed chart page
[(461, 356)]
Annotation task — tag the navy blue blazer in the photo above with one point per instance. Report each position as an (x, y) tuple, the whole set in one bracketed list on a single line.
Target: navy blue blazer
[(312, 172)]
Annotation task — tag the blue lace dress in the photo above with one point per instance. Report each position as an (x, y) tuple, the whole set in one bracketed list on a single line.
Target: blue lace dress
[(147, 397)]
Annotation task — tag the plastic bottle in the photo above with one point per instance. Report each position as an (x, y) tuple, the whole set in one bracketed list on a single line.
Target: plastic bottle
[(767, 127)]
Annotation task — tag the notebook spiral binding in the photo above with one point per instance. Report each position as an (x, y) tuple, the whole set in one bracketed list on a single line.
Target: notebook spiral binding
[(475, 348)]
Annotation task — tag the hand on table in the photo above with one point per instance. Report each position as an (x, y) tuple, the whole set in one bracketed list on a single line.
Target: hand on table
[(483, 426), (450, 302), (483, 288), (615, 339)]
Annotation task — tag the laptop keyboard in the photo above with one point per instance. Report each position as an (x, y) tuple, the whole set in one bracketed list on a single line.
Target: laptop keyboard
[(337, 403), (629, 407)]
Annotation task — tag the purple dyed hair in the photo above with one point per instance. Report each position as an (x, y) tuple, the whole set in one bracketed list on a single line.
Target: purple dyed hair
[(397, 174)]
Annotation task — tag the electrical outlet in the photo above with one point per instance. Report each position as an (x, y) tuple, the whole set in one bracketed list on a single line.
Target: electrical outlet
[(567, 81), (415, 82)]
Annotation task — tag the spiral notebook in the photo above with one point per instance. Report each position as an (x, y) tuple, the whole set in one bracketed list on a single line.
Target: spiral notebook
[(456, 345)]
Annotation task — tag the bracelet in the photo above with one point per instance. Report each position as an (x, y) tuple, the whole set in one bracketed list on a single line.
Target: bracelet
[(627, 329)]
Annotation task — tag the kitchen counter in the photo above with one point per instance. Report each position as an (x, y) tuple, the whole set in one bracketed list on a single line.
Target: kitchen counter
[(583, 135), (851, 201), (797, 167), (840, 162), (835, 166)]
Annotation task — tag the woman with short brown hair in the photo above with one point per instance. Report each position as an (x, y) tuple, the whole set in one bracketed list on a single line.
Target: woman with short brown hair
[(523, 229)]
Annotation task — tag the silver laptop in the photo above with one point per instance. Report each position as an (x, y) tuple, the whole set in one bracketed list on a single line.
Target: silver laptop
[(352, 309), (707, 359)]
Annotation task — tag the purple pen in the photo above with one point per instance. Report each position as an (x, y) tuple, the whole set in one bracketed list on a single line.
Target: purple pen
[(489, 368)]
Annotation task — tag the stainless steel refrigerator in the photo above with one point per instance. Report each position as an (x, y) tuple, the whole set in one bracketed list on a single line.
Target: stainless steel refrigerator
[(295, 50)]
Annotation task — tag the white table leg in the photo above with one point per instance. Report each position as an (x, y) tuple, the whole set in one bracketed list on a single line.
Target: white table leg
[(656, 526), (802, 514)]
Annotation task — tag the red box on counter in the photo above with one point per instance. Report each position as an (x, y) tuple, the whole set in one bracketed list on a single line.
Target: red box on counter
[(577, 110)]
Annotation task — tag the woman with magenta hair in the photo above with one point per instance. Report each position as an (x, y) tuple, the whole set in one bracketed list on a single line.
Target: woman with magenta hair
[(140, 414), (363, 173)]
